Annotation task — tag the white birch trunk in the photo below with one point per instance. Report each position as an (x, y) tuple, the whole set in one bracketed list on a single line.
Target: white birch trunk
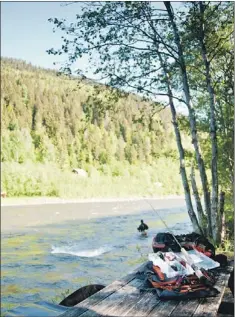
[(214, 158), (188, 200), (200, 213), (222, 216), (192, 119)]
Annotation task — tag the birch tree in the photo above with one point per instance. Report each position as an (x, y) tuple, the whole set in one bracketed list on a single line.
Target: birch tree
[(211, 29), (138, 47), (192, 119)]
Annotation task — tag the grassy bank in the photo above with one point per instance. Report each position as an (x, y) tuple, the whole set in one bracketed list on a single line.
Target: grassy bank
[(120, 180)]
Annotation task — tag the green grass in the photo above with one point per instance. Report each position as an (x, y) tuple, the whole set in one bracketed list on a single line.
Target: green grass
[(227, 248), (118, 180)]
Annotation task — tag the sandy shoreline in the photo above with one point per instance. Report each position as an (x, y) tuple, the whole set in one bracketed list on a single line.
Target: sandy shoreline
[(24, 201), (31, 214)]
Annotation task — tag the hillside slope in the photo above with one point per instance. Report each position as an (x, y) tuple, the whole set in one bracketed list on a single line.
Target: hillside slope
[(50, 125)]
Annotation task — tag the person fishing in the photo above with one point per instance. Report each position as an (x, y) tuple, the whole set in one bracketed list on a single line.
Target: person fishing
[(142, 227)]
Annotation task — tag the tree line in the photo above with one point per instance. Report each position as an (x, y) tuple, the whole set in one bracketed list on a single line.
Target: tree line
[(45, 118)]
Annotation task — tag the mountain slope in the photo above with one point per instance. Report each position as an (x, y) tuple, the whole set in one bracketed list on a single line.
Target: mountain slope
[(49, 120)]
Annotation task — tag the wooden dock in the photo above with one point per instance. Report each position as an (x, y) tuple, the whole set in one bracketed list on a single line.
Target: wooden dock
[(124, 298), (128, 297)]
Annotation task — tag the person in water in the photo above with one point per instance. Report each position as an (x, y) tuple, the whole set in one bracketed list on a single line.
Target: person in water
[(142, 227)]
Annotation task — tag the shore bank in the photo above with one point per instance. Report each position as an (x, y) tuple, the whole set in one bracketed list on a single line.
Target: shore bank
[(23, 201), (31, 213)]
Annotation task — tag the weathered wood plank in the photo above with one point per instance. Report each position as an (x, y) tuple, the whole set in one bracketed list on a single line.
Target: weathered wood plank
[(89, 303), (126, 297), (143, 306), (118, 298), (186, 308), (227, 304), (164, 308), (209, 306)]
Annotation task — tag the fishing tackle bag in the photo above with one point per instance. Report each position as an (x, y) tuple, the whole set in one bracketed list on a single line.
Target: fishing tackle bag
[(164, 242), (181, 286)]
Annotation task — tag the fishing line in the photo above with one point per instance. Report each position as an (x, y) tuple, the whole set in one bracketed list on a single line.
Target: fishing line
[(163, 221)]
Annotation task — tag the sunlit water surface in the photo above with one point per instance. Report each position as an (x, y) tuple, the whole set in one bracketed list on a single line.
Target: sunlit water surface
[(46, 261)]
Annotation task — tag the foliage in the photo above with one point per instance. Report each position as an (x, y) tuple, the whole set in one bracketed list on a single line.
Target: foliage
[(49, 127), (36, 179), (219, 45), (138, 47)]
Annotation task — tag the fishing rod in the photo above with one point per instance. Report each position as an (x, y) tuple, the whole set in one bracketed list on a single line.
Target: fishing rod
[(200, 273), (163, 221)]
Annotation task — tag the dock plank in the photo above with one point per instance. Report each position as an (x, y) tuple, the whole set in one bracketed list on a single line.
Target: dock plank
[(125, 299), (186, 308), (143, 306), (89, 303), (163, 308), (121, 296), (209, 306)]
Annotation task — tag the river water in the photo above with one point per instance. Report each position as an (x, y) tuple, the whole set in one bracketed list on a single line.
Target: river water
[(45, 261)]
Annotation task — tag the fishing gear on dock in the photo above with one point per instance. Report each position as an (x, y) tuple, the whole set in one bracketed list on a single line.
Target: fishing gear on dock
[(202, 274)]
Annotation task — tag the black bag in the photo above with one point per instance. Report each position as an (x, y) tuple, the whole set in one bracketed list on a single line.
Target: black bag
[(165, 242)]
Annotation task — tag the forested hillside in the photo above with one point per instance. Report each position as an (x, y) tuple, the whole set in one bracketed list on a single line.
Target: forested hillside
[(51, 125)]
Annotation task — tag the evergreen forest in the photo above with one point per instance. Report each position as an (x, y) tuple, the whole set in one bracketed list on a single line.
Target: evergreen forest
[(50, 125)]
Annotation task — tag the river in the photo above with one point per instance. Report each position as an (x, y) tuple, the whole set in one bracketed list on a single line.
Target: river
[(53, 249)]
